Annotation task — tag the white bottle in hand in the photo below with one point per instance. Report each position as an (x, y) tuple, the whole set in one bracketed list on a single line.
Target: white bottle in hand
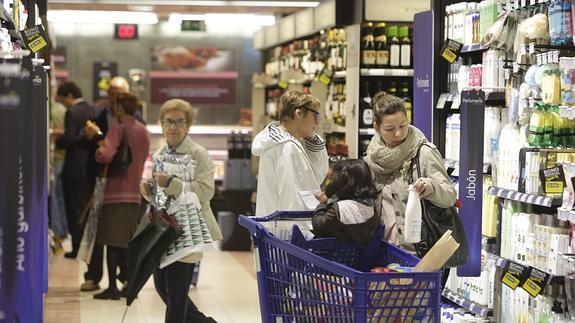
[(412, 230)]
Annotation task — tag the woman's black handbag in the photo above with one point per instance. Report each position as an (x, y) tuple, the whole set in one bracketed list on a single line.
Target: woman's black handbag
[(435, 222), (122, 159)]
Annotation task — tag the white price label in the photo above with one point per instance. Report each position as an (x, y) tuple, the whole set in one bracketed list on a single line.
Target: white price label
[(515, 67), (456, 102), (531, 48), (523, 3), (523, 50)]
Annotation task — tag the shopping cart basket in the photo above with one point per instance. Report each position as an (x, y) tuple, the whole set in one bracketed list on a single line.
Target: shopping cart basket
[(325, 280)]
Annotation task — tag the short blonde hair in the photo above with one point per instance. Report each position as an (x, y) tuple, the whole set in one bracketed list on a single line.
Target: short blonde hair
[(178, 105), (291, 101)]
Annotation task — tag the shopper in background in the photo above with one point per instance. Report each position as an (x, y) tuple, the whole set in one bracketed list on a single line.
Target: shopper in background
[(389, 156), (292, 157), (173, 282), (58, 220), (94, 131), (121, 206), (349, 212), (76, 182)]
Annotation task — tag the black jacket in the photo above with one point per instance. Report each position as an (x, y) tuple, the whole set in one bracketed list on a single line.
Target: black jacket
[(77, 155), (359, 223)]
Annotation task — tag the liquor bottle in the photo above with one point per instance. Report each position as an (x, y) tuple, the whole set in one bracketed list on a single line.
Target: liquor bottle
[(368, 47), (343, 50), (405, 95), (381, 46), (392, 89), (394, 47), (405, 46), (366, 110)]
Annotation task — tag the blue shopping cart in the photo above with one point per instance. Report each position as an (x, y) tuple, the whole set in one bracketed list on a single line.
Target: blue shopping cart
[(327, 280)]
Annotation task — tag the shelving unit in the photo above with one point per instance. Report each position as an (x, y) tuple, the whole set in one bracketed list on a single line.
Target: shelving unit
[(479, 310), (391, 72), (525, 197)]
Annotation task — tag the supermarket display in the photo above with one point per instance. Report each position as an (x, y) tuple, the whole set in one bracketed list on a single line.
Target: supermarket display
[(24, 188), (520, 55)]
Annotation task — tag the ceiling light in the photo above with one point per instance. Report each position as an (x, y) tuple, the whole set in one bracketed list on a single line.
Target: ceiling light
[(102, 17), (239, 19), (255, 3), (225, 19)]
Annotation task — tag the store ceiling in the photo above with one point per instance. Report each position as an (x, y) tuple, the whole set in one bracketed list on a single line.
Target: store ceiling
[(164, 7)]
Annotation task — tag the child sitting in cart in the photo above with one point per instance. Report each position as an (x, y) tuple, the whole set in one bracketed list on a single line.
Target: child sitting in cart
[(348, 213)]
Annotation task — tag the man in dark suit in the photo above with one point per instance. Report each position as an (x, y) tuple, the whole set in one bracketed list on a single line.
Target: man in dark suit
[(77, 183)]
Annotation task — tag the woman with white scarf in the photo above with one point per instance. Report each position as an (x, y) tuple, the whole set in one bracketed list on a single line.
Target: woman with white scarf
[(389, 156)]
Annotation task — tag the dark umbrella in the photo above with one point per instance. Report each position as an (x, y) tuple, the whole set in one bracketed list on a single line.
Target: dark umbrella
[(146, 248)]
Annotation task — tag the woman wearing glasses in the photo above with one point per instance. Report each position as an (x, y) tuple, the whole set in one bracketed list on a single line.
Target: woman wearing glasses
[(173, 281), (292, 157)]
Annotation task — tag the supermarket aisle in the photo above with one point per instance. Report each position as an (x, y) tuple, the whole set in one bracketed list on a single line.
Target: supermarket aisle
[(227, 291)]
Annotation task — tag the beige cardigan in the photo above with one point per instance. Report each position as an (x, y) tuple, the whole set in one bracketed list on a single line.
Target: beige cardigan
[(203, 185)]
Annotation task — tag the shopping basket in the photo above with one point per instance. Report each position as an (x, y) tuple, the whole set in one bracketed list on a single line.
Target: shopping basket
[(325, 280)]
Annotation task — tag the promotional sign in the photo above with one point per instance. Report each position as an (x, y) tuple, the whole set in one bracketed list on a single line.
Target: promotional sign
[(198, 75), (471, 177), (422, 72), (103, 72), (23, 194), (35, 38)]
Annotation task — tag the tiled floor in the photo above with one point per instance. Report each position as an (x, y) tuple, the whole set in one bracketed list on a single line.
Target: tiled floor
[(227, 291)]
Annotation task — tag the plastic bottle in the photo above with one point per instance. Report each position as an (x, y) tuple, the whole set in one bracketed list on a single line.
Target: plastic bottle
[(536, 127), (560, 28), (412, 230)]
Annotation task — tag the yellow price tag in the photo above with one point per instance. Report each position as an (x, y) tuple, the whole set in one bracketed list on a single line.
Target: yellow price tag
[(283, 84), (532, 288), (324, 79), (37, 44), (449, 55), (510, 281)]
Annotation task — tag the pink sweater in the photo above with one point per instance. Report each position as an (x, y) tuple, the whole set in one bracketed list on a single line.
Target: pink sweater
[(125, 188)]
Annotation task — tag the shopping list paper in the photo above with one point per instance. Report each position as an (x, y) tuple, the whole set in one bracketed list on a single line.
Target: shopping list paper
[(309, 199)]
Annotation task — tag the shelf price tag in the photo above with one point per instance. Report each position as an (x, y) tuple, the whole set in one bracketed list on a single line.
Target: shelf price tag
[(456, 102), (513, 275), (441, 101), (523, 3), (531, 48), (535, 282)]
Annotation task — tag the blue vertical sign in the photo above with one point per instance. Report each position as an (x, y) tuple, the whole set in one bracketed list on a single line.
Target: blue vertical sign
[(471, 177), (423, 72), (23, 194)]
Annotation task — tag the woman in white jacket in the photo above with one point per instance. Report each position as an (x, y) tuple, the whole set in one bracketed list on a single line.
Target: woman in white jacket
[(292, 157)]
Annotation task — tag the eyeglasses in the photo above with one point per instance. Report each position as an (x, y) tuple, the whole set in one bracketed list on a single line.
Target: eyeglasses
[(315, 113), (178, 123)]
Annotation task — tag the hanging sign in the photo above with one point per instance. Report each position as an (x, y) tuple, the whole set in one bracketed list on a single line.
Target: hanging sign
[(35, 38), (535, 282), (103, 72), (451, 50), (514, 274)]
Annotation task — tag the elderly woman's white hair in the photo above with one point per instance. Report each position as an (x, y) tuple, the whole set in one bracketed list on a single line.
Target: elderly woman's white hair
[(178, 105)]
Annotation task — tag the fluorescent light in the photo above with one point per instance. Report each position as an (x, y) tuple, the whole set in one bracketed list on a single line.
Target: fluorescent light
[(176, 18), (225, 19), (239, 19), (102, 17), (297, 4)]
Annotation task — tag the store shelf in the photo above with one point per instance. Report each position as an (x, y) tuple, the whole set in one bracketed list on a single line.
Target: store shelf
[(566, 215), (367, 131), (525, 197), (502, 263), (481, 311), (473, 49), (396, 72), (340, 74)]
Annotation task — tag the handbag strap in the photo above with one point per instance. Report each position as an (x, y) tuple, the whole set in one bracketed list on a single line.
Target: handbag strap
[(415, 161)]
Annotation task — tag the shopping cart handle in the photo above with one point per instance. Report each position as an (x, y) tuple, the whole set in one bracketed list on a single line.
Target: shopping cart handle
[(253, 226)]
